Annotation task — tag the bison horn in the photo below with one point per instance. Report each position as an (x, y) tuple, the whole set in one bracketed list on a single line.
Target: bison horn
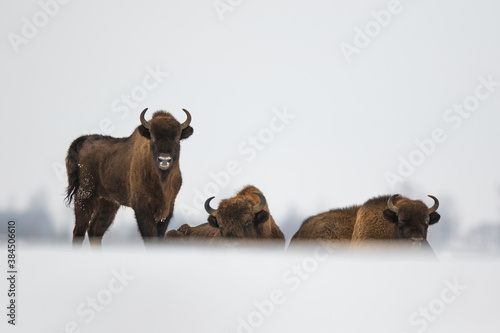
[(143, 121), (262, 204), (209, 209), (391, 205), (185, 124), (436, 205)]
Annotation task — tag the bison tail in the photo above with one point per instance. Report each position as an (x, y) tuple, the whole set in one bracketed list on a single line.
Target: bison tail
[(72, 160)]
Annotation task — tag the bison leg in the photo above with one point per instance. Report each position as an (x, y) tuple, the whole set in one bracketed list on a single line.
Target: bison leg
[(84, 212), (147, 226), (161, 227), (105, 213), (173, 234)]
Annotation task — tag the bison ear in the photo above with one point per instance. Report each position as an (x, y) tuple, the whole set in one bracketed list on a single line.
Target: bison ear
[(186, 133), (144, 132), (434, 218), (261, 217), (212, 220), (390, 216)]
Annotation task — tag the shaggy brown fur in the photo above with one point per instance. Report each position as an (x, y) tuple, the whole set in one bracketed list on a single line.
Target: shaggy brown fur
[(105, 173), (334, 226), (376, 222), (203, 233), (235, 219)]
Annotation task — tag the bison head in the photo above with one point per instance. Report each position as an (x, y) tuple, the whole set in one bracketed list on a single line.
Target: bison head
[(238, 217), (411, 218), (164, 134)]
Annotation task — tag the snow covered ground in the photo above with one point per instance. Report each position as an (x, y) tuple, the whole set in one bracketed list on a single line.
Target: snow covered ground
[(199, 289)]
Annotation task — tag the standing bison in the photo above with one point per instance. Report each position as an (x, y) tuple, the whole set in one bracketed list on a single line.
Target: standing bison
[(335, 226), (140, 171), (395, 218), (244, 216)]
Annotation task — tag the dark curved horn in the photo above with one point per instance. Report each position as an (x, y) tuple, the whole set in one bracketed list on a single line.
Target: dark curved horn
[(188, 120), (436, 205), (262, 204), (391, 205), (143, 121), (209, 209)]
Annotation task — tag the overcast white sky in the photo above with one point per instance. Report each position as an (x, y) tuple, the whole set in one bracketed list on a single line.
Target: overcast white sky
[(350, 118)]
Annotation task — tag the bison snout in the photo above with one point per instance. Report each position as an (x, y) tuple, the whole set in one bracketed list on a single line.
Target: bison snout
[(417, 241), (164, 161)]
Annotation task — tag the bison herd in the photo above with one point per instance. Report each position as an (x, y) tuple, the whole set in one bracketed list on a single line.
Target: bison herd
[(142, 171)]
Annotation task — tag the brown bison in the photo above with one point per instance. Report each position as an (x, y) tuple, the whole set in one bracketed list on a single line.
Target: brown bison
[(140, 171), (334, 226), (395, 218), (244, 216)]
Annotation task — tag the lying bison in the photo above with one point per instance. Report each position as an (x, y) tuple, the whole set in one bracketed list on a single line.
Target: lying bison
[(335, 226), (395, 218), (244, 216), (141, 172)]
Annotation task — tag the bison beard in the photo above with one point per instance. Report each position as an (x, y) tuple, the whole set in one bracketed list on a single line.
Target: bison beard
[(141, 172)]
